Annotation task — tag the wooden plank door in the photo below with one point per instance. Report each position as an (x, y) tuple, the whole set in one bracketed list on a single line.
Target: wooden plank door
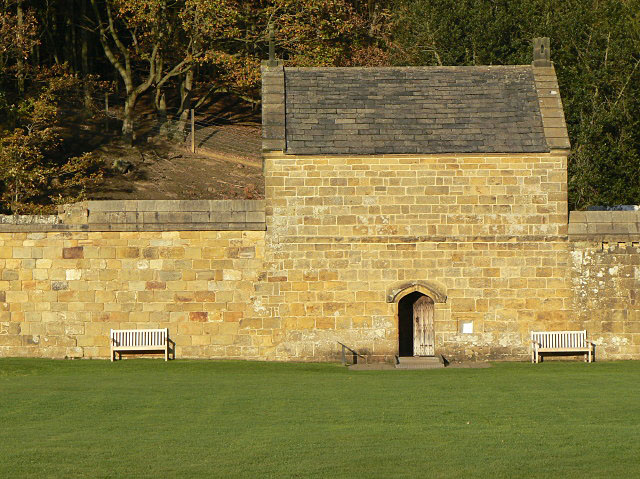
[(423, 330)]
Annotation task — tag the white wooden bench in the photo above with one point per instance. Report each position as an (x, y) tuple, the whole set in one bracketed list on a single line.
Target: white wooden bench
[(560, 342), (138, 340)]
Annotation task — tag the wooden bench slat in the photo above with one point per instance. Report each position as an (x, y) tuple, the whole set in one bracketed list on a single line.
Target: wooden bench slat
[(138, 348), (558, 350)]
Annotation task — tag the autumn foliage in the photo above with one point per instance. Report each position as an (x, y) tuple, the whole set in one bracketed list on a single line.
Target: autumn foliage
[(35, 174)]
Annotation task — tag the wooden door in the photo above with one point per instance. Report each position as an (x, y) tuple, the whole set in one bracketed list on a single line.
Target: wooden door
[(423, 330)]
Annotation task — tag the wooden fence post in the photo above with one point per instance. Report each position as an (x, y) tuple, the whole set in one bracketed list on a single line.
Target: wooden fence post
[(193, 132)]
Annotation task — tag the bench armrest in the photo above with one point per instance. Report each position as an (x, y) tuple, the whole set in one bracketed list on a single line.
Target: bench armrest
[(535, 342)]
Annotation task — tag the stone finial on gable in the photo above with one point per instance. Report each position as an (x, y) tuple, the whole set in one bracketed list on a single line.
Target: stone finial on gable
[(541, 52), (272, 62)]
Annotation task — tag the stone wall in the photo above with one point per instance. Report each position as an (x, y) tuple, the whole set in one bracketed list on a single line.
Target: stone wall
[(346, 239), (605, 273), (66, 280), (486, 232)]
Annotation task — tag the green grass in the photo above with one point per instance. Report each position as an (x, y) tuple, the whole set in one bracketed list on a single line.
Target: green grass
[(148, 418)]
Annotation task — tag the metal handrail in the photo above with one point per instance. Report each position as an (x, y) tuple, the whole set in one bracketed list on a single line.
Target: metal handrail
[(353, 352)]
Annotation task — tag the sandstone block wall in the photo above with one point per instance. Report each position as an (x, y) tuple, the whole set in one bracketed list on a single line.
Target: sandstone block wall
[(488, 232), (62, 291), (605, 274)]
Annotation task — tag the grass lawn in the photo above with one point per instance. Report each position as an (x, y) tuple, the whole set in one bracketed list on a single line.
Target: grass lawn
[(148, 418)]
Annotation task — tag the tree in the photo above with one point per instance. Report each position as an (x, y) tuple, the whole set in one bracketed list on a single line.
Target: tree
[(141, 46), (18, 35), (150, 43), (34, 174)]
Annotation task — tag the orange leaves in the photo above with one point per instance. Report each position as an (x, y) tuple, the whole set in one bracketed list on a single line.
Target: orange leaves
[(16, 40), (242, 73)]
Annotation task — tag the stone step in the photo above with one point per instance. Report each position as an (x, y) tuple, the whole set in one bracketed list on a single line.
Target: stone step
[(420, 362)]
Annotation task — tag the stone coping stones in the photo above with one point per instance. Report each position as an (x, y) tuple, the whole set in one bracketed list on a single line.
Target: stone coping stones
[(145, 215), (610, 225)]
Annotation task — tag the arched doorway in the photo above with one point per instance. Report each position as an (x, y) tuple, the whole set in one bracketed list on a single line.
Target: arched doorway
[(416, 334)]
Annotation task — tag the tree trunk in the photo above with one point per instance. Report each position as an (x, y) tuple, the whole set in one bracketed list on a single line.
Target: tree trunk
[(20, 61), (127, 121), (69, 47), (160, 102), (54, 37), (186, 87), (163, 119), (84, 57)]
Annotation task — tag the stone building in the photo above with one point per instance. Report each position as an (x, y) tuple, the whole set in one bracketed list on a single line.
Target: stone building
[(391, 193)]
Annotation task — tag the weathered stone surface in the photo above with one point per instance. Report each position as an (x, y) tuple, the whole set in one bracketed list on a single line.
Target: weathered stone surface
[(28, 219), (59, 285), (198, 316), (546, 83), (75, 252), (606, 282), (608, 226)]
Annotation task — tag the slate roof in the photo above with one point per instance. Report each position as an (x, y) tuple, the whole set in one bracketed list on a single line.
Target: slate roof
[(398, 110)]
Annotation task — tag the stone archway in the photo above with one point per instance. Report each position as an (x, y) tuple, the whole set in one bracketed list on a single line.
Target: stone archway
[(415, 315), (433, 289)]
